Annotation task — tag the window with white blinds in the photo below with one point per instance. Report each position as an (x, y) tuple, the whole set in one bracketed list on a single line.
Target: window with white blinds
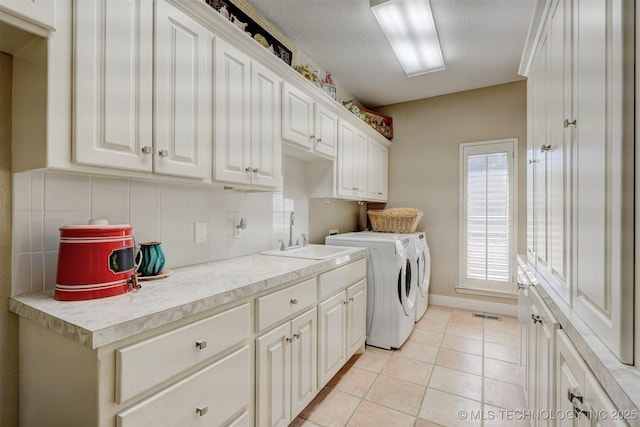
[(487, 220)]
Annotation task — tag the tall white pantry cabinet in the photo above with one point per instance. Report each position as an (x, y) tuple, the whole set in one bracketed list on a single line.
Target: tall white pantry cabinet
[(580, 162)]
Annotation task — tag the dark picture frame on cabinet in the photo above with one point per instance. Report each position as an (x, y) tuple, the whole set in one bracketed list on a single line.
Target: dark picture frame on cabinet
[(244, 23), (383, 124)]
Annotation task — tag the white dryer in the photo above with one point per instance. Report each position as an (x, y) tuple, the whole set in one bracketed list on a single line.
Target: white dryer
[(424, 272), (391, 284)]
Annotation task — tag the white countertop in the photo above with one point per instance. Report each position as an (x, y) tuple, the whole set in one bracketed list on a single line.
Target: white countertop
[(188, 291)]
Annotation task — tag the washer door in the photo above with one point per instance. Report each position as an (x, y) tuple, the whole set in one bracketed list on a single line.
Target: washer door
[(424, 268), (407, 281)]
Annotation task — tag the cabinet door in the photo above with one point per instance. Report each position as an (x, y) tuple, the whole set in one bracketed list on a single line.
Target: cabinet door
[(113, 83), (266, 125), (332, 341), (378, 161), (42, 12), (326, 131), (603, 201), (361, 165), (524, 321), (542, 356), (297, 116), (183, 53), (273, 377), (356, 317), (570, 379), (233, 115), (531, 159), (213, 396), (539, 134), (304, 361), (602, 411)]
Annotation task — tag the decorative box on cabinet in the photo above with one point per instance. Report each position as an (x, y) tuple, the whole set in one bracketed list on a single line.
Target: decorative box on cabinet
[(248, 100), (579, 62)]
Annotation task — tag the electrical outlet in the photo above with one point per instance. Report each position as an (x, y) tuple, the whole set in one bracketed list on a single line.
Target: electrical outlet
[(334, 231), (200, 232)]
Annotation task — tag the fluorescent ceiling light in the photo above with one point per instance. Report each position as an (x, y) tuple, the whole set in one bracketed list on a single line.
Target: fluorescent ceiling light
[(409, 27)]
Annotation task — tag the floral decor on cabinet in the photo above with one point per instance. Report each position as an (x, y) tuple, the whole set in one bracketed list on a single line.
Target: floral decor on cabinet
[(381, 123)]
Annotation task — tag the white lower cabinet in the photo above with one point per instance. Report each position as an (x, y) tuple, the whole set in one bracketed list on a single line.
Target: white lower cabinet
[(541, 359), (579, 396), (216, 395), (341, 329), (286, 370)]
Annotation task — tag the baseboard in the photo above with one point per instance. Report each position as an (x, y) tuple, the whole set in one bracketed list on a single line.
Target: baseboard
[(475, 305)]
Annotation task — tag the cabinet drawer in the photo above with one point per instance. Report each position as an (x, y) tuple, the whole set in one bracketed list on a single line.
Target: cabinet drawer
[(211, 396), (272, 308), (341, 277), (147, 363)]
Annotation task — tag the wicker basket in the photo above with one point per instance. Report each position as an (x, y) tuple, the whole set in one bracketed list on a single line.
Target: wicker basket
[(395, 220)]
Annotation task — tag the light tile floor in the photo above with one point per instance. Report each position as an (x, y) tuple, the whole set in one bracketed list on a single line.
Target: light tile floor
[(454, 370)]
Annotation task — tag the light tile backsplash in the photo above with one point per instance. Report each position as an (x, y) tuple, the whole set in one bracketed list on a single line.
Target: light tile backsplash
[(166, 212)]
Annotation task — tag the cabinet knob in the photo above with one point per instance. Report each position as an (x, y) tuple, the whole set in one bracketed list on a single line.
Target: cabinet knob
[(296, 336), (146, 149), (532, 161), (545, 148), (289, 339), (345, 302), (521, 286), (247, 169), (255, 170), (201, 344), (293, 301), (536, 318), (567, 123), (163, 153), (312, 136), (380, 193), (580, 408), (202, 409), (350, 299), (319, 140)]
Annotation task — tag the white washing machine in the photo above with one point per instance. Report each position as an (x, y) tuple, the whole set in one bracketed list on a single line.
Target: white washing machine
[(424, 272), (391, 284)]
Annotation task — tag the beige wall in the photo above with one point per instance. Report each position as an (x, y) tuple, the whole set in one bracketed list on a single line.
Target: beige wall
[(337, 214), (8, 321), (423, 163)]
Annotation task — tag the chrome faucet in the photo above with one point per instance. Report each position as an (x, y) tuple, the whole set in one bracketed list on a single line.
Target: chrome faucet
[(305, 242)]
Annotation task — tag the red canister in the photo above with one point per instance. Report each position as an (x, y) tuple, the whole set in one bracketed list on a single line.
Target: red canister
[(94, 261)]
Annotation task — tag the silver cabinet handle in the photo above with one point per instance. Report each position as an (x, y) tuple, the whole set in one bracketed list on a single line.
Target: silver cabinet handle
[(247, 169), (293, 301), (567, 123), (255, 170), (521, 286), (531, 161), (536, 318), (350, 299), (163, 153), (296, 336), (312, 136), (201, 344), (319, 139), (380, 193), (289, 339), (345, 302), (545, 148), (202, 409), (146, 149)]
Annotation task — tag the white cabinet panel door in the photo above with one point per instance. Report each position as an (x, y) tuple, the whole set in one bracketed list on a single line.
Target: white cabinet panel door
[(183, 79), (326, 131), (332, 341), (233, 114), (297, 116), (356, 317), (603, 281), (266, 125), (113, 83), (377, 170), (304, 360), (273, 377)]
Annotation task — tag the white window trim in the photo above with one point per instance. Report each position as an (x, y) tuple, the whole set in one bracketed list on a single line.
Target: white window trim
[(463, 287)]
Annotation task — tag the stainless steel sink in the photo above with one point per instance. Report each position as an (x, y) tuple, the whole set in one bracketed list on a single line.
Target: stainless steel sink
[(310, 252)]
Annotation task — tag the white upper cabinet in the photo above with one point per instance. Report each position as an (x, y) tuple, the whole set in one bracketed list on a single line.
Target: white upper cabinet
[(297, 116), (126, 81), (352, 162), (113, 84), (580, 172), (183, 77), (39, 12), (326, 132), (378, 166), (603, 170), (248, 138)]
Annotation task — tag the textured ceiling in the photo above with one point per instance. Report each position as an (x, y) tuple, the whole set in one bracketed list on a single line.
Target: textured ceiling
[(481, 41)]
